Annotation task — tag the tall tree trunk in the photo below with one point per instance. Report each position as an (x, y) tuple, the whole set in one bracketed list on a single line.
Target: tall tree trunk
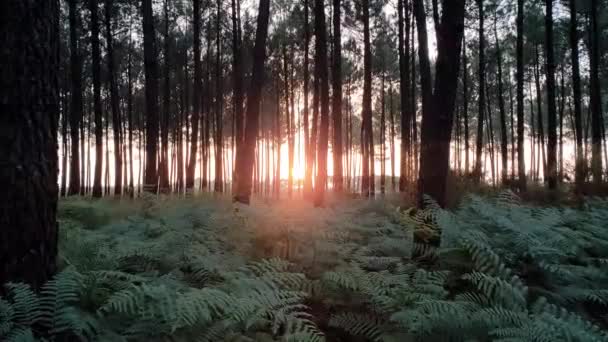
[(130, 120), (321, 67), (245, 155), (392, 135), (595, 99), (551, 171), (437, 117), (337, 98), (367, 141), (219, 98), (64, 138), (521, 161), (307, 139), (96, 65), (482, 94), (114, 100), (504, 149), (151, 85), (278, 140), (196, 100), (540, 124), (465, 105), (382, 135), (29, 102), (404, 84), (289, 124), (164, 127), (76, 105), (237, 77), (576, 97)]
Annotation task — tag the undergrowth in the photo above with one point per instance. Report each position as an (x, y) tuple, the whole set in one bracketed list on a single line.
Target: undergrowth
[(200, 269)]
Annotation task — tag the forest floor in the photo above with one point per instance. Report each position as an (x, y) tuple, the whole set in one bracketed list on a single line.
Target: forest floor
[(203, 269)]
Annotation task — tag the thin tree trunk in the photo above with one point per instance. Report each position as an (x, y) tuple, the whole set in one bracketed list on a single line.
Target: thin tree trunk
[(465, 105), (551, 171), (76, 104), (482, 94), (219, 136), (96, 65), (114, 100), (164, 127), (404, 84), (321, 72), (337, 98), (521, 161), (367, 142), (504, 143)]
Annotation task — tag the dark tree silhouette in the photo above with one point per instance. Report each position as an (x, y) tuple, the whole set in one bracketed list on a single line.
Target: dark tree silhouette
[(245, 155), (29, 113)]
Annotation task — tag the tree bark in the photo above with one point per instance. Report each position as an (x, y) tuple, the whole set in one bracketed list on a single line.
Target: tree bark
[(482, 95), (76, 104), (580, 166), (114, 100), (196, 100), (504, 149), (163, 168), (337, 98), (151, 85), (367, 141), (245, 156), (321, 66), (551, 171), (29, 114), (404, 84), (96, 65), (595, 99), (521, 161), (437, 117)]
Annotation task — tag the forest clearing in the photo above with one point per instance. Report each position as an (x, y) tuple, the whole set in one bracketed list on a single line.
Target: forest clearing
[(303, 170)]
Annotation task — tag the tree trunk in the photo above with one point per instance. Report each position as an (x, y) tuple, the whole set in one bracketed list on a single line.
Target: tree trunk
[(96, 65), (29, 102), (289, 124), (595, 99), (151, 85), (551, 171), (521, 161), (196, 100), (164, 127), (580, 165), (404, 77), (465, 105), (541, 130), (245, 155), (366, 126), (307, 143), (482, 95), (219, 98), (76, 105), (504, 143), (321, 67), (237, 77), (337, 98), (392, 135), (438, 108), (116, 122)]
